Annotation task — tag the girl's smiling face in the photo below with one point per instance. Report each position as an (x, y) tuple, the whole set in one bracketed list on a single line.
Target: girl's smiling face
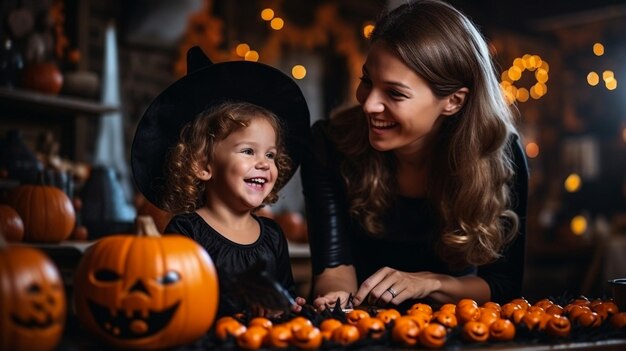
[(243, 169), (400, 107)]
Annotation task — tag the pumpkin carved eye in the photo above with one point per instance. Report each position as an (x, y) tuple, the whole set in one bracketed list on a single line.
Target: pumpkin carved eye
[(106, 275), (170, 277)]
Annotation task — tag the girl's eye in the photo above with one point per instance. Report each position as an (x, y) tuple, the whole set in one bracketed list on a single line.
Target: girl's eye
[(247, 151), (270, 155)]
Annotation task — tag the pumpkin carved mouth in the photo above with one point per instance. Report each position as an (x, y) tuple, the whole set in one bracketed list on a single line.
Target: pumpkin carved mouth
[(32, 323), (124, 325)]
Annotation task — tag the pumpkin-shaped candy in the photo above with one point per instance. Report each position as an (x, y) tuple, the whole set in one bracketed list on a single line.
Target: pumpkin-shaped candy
[(558, 326), (146, 292), (447, 319), (227, 327), (307, 337), (371, 327), (346, 334), (433, 336), (502, 330), (32, 300), (11, 224), (405, 332), (252, 339), (475, 331), (279, 336), (48, 213), (354, 316)]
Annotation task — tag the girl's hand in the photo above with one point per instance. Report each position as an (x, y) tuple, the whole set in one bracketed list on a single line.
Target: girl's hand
[(388, 285), (330, 300), (300, 301)]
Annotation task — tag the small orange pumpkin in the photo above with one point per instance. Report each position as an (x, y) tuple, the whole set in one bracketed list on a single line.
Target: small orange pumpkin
[(252, 339), (475, 331), (446, 319), (330, 324), (279, 336), (307, 337), (422, 307), (589, 320), (346, 334), (449, 307), (354, 316), (433, 336), (260, 321), (532, 320), (48, 213), (388, 315), (488, 315), (502, 330), (467, 312), (227, 326), (146, 291), (11, 224), (32, 316), (508, 309), (405, 332), (370, 327), (618, 321), (522, 302), (558, 326), (493, 306)]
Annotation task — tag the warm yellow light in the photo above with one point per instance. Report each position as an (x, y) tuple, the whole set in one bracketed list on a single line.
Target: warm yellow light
[(252, 55), (267, 14), (578, 225), (611, 83), (518, 62), (593, 79), (505, 77), (598, 49), (532, 150), (367, 30), (522, 95), (277, 23), (515, 73), (607, 74), (540, 88), (242, 49), (298, 71), (541, 75), (545, 66), (573, 183)]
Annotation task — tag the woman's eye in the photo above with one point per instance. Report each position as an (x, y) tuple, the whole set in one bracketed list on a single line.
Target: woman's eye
[(396, 95)]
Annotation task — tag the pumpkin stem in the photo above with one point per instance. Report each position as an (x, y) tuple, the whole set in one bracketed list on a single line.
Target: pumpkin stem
[(146, 227)]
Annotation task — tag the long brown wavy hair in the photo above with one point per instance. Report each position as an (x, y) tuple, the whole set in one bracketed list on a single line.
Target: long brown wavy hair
[(469, 151), (183, 191)]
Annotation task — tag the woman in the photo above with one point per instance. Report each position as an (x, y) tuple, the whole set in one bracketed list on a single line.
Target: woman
[(419, 193)]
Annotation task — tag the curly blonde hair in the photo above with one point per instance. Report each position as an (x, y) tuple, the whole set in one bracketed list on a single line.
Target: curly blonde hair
[(469, 151), (183, 191)]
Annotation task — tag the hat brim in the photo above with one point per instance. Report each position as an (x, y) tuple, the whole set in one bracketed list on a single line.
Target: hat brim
[(244, 81)]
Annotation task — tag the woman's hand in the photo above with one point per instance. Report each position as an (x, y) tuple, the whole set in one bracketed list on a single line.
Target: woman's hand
[(300, 301), (389, 285), (329, 300)]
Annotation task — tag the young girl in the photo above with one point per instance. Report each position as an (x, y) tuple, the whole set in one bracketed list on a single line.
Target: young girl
[(227, 160)]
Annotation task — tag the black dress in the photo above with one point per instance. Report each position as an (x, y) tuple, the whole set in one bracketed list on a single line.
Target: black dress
[(231, 259), (409, 240)]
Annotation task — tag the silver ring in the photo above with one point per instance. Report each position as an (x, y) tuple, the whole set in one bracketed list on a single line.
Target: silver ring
[(392, 292)]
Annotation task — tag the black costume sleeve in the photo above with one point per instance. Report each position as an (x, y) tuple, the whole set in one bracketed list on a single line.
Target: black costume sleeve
[(505, 276), (284, 275), (180, 225), (325, 202)]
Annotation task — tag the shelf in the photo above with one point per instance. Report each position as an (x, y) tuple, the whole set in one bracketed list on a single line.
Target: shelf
[(33, 101)]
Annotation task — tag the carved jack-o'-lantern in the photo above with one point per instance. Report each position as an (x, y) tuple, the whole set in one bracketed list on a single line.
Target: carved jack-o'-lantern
[(32, 300), (307, 337), (370, 327), (502, 330), (475, 331), (346, 334), (405, 332), (558, 326), (279, 336), (252, 339), (146, 292), (433, 336), (226, 327)]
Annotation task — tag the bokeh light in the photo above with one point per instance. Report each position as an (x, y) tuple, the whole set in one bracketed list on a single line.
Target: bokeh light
[(242, 49), (368, 28), (593, 78), (298, 71), (578, 225), (532, 150), (573, 183), (252, 55), (598, 49), (267, 14), (277, 23)]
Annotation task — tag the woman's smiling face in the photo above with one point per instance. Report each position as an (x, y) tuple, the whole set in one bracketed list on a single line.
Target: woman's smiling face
[(400, 107)]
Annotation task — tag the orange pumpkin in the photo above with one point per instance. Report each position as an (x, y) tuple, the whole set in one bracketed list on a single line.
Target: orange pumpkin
[(433, 336), (279, 336), (370, 327), (508, 309), (502, 330), (33, 312), (261, 322), (422, 307), (475, 331), (11, 224), (346, 334), (405, 332), (493, 306), (522, 302), (48, 213), (467, 312), (44, 77), (146, 291), (558, 326), (354, 316), (532, 320), (446, 319), (330, 324), (307, 337), (449, 307), (618, 321), (488, 315), (388, 315), (226, 327), (589, 320), (252, 338)]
